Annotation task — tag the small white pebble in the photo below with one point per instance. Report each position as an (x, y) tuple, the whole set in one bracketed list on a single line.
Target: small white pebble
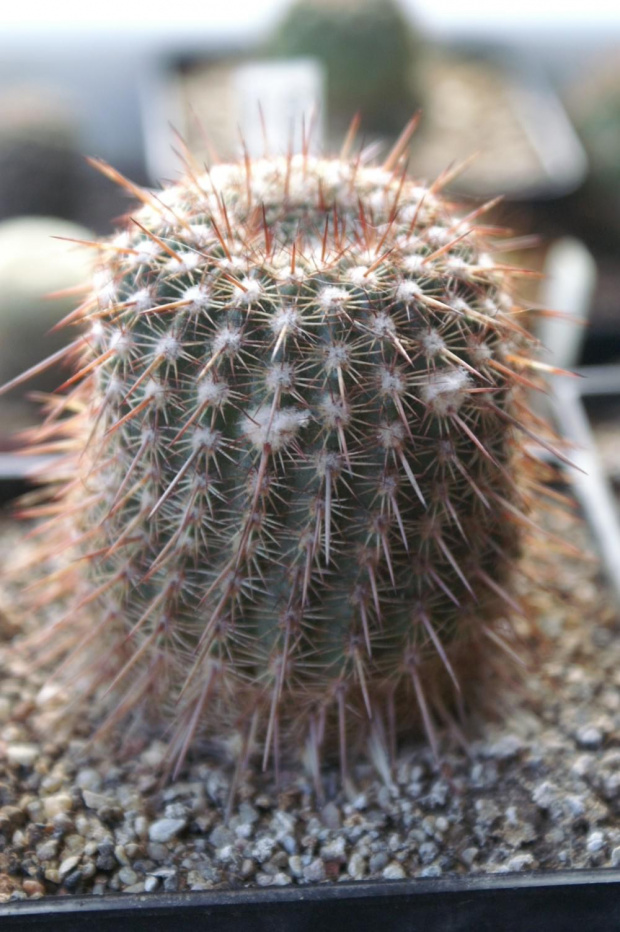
[(545, 795), (589, 737), (394, 871), (96, 800), (595, 842), (314, 872), (356, 867), (520, 862), (469, 855), (164, 830), (68, 865), (127, 876), (24, 755)]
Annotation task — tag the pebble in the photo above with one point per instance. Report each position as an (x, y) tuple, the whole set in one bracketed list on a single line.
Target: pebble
[(33, 888), (595, 842), (394, 871), (505, 748), (469, 855), (378, 862), (589, 737), (356, 866), (88, 779), (334, 850), (10, 817), (24, 755), (48, 850), (164, 830), (120, 853), (263, 849), (56, 805), (314, 872), (127, 876), (521, 862), (545, 795), (68, 865), (96, 801)]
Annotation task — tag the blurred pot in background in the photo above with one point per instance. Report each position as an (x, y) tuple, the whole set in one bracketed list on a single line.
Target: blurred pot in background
[(40, 161)]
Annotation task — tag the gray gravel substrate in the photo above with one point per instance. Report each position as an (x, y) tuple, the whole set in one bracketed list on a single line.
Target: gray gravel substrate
[(539, 791)]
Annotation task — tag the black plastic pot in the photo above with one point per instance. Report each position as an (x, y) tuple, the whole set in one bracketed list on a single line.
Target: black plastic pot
[(566, 901)]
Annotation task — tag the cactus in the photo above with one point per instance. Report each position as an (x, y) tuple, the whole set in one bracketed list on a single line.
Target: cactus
[(294, 482), (369, 51)]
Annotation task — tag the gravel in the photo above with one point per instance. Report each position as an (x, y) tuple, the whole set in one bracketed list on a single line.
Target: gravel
[(539, 789)]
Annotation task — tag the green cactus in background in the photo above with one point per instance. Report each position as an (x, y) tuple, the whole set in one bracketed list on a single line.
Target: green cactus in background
[(292, 488), (369, 51)]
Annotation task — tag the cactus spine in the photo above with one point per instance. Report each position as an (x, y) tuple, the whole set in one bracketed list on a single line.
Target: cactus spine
[(290, 497)]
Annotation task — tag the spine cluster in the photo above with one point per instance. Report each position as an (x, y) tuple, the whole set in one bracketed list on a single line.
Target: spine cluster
[(292, 484)]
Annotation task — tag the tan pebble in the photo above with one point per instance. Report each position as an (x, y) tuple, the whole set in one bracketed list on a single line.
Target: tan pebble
[(11, 815), (5, 709), (52, 782), (54, 805), (33, 888), (121, 855), (74, 844)]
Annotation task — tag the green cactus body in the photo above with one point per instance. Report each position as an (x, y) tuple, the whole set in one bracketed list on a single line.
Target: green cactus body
[(288, 497)]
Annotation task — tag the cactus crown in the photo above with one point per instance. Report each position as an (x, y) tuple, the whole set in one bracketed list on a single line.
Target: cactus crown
[(287, 503)]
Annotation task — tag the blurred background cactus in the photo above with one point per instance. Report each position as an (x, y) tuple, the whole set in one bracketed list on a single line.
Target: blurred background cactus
[(371, 55)]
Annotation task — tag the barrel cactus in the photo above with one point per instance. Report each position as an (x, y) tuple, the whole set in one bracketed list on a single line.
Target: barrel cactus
[(293, 479), (370, 52)]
